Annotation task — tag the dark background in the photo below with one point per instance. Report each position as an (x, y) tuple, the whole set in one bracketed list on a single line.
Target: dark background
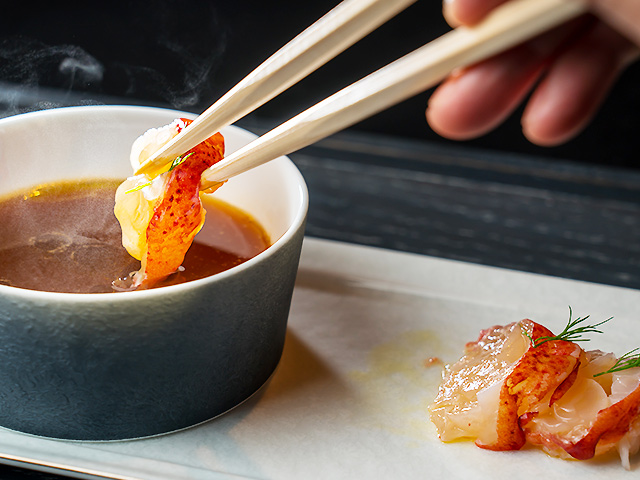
[(187, 54)]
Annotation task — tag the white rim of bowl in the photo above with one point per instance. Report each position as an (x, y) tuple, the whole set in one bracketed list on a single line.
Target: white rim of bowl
[(296, 224)]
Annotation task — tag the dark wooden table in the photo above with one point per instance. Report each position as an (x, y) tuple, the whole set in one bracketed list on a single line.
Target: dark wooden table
[(546, 216)]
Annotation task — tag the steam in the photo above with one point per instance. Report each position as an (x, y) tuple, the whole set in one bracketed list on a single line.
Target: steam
[(30, 63), (26, 64), (83, 70), (195, 53), (173, 65)]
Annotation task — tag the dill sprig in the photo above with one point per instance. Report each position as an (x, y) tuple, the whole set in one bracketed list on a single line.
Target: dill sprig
[(571, 333), (138, 187), (628, 360), (176, 161)]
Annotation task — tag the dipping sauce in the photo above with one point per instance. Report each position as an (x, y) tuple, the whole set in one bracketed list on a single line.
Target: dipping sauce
[(64, 237)]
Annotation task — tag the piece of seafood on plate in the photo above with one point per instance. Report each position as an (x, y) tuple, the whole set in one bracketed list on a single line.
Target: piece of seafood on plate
[(519, 383)]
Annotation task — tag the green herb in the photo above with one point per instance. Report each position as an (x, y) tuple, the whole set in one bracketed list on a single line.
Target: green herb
[(138, 187), (628, 360), (178, 160), (571, 333)]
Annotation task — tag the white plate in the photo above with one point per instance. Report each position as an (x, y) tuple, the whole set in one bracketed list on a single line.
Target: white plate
[(349, 399)]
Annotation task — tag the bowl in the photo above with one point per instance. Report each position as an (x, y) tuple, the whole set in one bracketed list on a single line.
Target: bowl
[(118, 366)]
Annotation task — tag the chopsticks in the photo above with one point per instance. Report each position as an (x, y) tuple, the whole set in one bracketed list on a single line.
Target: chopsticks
[(343, 26), (508, 25)]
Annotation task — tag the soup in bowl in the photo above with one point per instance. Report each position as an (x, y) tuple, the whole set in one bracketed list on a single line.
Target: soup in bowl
[(107, 366)]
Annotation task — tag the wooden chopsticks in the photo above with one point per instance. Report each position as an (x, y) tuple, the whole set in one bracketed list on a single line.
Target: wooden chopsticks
[(343, 26), (507, 26)]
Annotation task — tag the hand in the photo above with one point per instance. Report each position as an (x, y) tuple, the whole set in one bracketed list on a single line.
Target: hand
[(568, 72)]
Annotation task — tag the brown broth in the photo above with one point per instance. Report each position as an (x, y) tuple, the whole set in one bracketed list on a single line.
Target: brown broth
[(64, 237)]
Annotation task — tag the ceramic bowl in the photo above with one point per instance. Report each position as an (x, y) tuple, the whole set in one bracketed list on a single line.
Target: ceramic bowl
[(128, 365)]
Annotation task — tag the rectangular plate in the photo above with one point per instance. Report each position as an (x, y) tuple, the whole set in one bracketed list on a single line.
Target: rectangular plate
[(368, 332)]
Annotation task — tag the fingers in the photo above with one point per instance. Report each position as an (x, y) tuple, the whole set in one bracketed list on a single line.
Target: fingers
[(573, 83), (467, 12), (480, 97), (575, 86)]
